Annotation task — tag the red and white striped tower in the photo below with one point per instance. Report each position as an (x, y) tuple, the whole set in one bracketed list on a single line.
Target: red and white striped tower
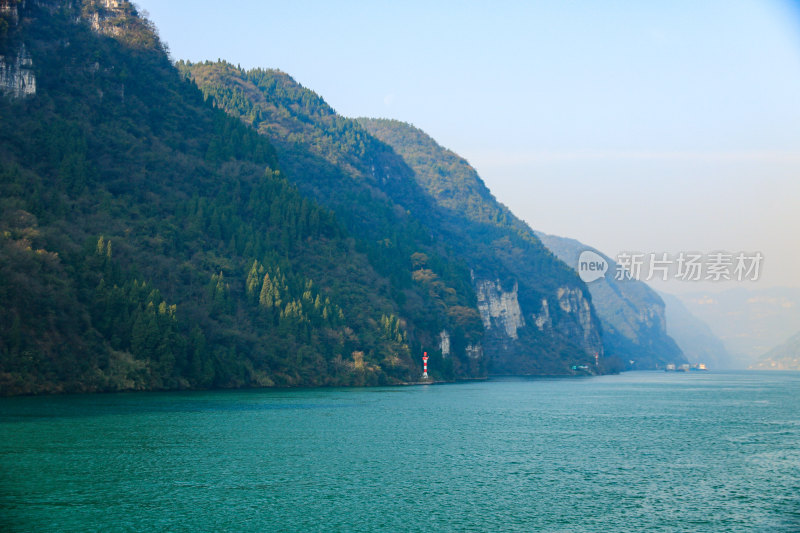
[(424, 365)]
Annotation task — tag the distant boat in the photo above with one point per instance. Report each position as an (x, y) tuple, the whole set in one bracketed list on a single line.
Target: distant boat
[(685, 367)]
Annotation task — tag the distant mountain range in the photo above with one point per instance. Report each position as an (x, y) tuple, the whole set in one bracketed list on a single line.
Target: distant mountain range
[(749, 321), (786, 356), (695, 338)]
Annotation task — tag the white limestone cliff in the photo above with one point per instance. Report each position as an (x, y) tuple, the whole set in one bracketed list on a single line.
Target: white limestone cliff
[(499, 308), (501, 313), (99, 20), (572, 300), (543, 319), (474, 351), (444, 343), (17, 79)]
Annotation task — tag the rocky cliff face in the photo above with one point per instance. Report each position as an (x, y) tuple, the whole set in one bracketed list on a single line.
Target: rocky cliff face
[(572, 301), (632, 315), (542, 319), (444, 343), (537, 315), (103, 14), (508, 333), (17, 79), (499, 309)]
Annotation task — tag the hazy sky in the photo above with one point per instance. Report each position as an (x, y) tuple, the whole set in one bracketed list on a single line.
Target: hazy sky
[(644, 126)]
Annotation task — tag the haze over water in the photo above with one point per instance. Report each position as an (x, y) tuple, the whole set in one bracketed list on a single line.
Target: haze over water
[(632, 452)]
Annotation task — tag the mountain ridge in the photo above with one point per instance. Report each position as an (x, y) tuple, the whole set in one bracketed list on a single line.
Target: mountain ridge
[(161, 243), (633, 315), (694, 336), (151, 242), (749, 320), (785, 356), (539, 284), (377, 165)]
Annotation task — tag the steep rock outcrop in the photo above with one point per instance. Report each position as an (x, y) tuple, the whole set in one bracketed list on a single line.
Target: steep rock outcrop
[(444, 343), (17, 79), (102, 14), (116, 18), (632, 314), (499, 308), (572, 300), (540, 306)]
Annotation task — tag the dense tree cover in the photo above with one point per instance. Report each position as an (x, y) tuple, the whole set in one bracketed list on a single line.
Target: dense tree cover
[(374, 193), (148, 240), (442, 207), (456, 187), (501, 246), (446, 176)]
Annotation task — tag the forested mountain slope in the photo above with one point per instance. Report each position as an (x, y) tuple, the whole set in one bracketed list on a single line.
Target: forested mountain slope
[(535, 312), (148, 240)]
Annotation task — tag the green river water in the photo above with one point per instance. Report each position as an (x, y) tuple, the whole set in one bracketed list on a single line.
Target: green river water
[(641, 451)]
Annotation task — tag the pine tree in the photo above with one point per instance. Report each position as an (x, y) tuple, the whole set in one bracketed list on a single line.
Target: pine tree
[(266, 298), (253, 277)]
